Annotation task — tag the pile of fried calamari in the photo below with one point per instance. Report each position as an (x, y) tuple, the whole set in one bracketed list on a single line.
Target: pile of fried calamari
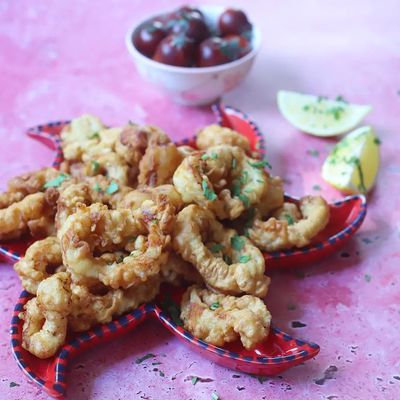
[(128, 210)]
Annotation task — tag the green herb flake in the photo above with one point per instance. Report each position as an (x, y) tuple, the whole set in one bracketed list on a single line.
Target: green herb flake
[(367, 277), (205, 157), (112, 188), (156, 363), (97, 188), (14, 384), (341, 99), (237, 242), (313, 152), (194, 380), (260, 164), (172, 308), (244, 199), (306, 107), (291, 306), (234, 163), (377, 141), (261, 379), (144, 358), (95, 166), (214, 156), (94, 135), (162, 374), (244, 259), (214, 396), (236, 187), (244, 177), (214, 306), (56, 182), (316, 187), (289, 219), (216, 247), (209, 194)]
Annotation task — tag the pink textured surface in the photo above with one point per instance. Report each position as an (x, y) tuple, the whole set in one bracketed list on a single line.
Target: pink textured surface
[(60, 59)]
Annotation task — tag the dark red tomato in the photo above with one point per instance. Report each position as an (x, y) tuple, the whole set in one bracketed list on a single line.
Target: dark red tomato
[(233, 22), (175, 50), (184, 10), (192, 26), (148, 38), (242, 44), (212, 51)]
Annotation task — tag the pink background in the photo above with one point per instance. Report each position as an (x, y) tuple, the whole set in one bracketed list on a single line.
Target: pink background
[(60, 59)]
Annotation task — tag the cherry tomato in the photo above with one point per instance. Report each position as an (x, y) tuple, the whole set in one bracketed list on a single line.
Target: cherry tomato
[(242, 43), (233, 22), (192, 26), (212, 52), (175, 50), (184, 10), (148, 37)]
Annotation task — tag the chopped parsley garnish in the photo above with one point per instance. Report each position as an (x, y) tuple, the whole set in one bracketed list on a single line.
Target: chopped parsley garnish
[(214, 156), (289, 219), (227, 259), (194, 380), (112, 188), (204, 156), (316, 187), (341, 99), (244, 199), (336, 112), (244, 178), (216, 247), (209, 194), (214, 306), (313, 152), (156, 363), (214, 396), (260, 164), (56, 182), (144, 358), (97, 188), (95, 166), (236, 188), (237, 242), (234, 163), (14, 384), (94, 135), (244, 259), (367, 277), (162, 374), (377, 141)]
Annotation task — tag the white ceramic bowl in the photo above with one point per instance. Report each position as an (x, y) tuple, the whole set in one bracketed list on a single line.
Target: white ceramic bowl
[(195, 86)]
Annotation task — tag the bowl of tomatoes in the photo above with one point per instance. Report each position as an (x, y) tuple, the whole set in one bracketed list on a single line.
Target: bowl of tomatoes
[(195, 54)]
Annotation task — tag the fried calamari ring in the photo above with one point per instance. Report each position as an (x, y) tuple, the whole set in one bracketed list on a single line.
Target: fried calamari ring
[(219, 319), (89, 309), (159, 194), (143, 232), (227, 262), (42, 259), (186, 150), (289, 227), (158, 165), (45, 317), (177, 271), (222, 179), (79, 135), (272, 198), (32, 214), (215, 135)]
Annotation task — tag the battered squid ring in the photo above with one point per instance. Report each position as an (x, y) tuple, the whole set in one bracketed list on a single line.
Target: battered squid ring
[(39, 258), (222, 179), (45, 317), (215, 135), (89, 309), (220, 319), (290, 227), (227, 262), (32, 214), (143, 232)]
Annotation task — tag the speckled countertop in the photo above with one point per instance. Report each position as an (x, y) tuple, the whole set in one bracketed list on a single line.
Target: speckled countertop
[(60, 59)]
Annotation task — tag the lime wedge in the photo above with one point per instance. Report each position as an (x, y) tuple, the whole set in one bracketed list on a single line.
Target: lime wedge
[(320, 116), (352, 165)]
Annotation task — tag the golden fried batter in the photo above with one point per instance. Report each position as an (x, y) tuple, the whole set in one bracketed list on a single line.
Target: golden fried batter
[(289, 227), (222, 179), (42, 259), (215, 135), (227, 262), (177, 271), (219, 319)]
